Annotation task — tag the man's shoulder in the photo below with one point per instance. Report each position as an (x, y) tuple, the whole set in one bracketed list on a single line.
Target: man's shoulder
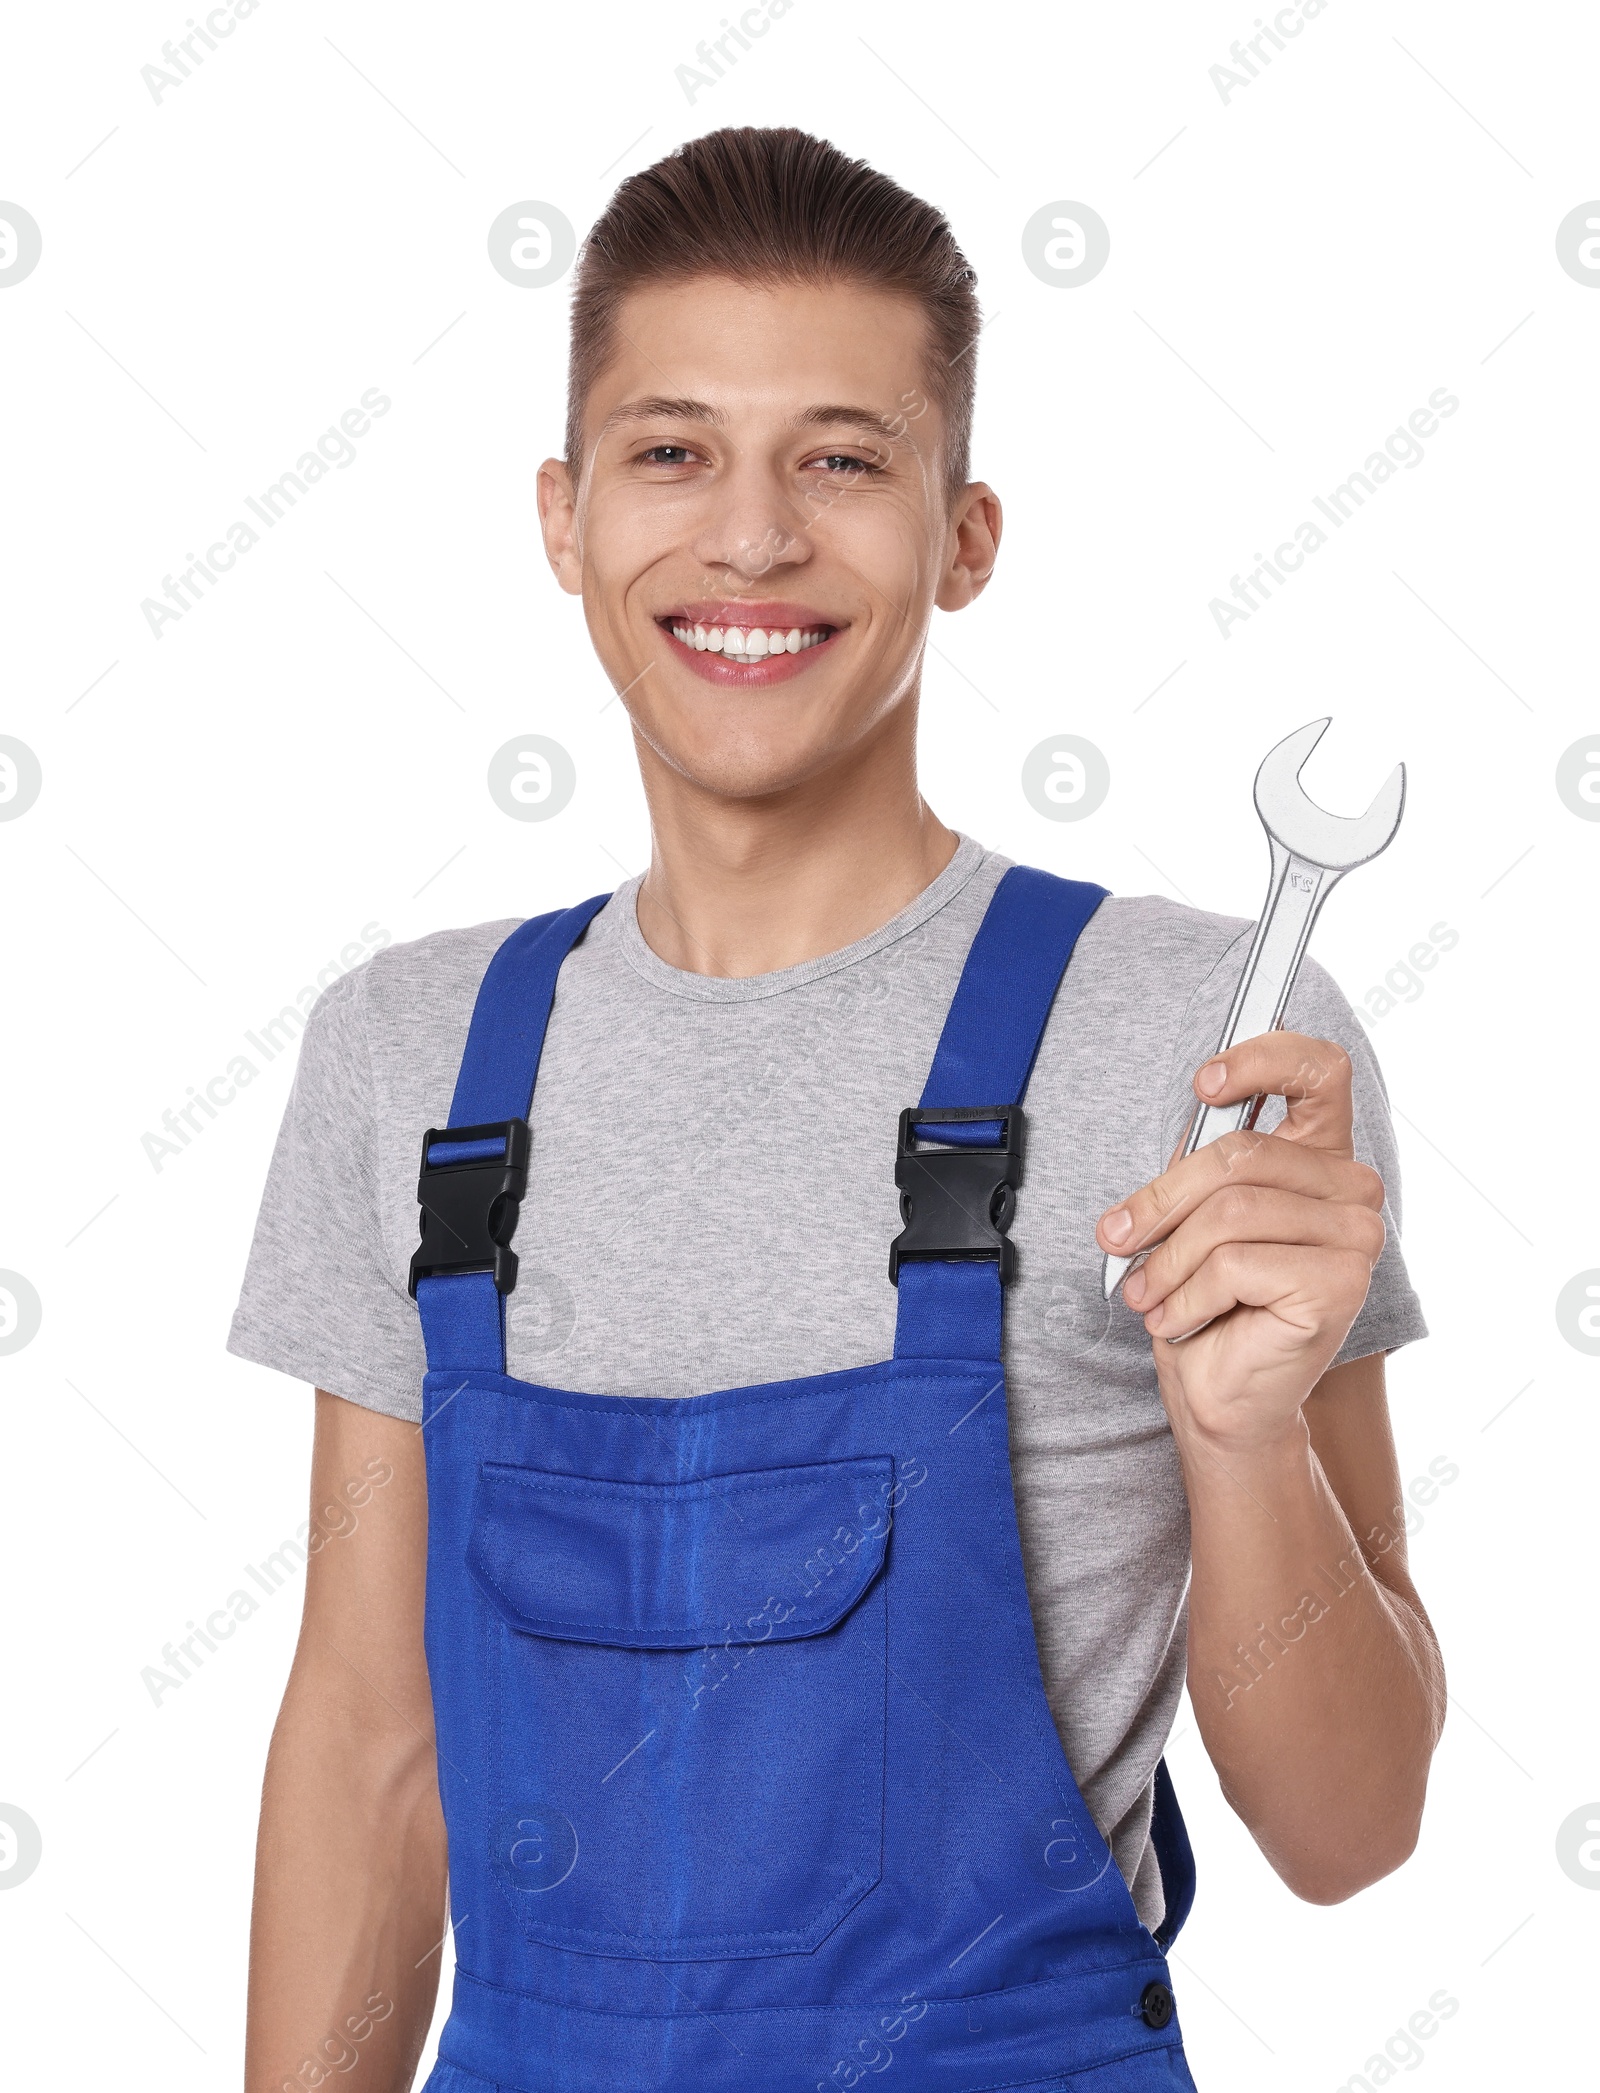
[(420, 981), (441, 955), (1153, 979), (1152, 940), (1149, 978), (1152, 948)]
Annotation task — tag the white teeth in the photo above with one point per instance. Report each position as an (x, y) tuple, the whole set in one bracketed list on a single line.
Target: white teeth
[(742, 646)]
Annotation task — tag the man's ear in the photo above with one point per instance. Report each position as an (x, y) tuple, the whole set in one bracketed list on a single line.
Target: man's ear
[(558, 520), (974, 541)]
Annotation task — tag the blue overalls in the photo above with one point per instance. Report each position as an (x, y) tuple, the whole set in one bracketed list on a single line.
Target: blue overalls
[(749, 1775)]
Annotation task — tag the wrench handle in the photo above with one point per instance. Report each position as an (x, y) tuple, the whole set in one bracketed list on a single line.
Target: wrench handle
[(1296, 890)]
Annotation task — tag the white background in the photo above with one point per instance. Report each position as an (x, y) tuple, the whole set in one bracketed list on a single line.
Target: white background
[(224, 808)]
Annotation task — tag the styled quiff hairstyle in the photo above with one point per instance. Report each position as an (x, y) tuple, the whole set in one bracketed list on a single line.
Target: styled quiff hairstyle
[(777, 206)]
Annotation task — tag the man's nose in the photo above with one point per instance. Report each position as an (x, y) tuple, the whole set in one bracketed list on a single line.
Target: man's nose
[(752, 524)]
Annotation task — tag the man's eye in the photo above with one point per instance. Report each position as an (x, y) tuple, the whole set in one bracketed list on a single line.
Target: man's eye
[(847, 467), (668, 454)]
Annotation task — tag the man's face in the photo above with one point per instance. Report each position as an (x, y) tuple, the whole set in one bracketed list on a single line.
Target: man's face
[(762, 526)]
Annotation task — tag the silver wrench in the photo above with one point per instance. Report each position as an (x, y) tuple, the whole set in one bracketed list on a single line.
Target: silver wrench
[(1311, 852)]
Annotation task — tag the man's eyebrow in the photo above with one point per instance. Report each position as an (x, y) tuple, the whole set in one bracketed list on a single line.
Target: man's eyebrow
[(658, 409), (829, 417)]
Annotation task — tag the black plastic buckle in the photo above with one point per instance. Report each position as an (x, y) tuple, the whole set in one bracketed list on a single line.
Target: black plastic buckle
[(958, 1202), (470, 1203)]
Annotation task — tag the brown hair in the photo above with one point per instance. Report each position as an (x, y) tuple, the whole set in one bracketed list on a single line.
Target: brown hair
[(777, 206)]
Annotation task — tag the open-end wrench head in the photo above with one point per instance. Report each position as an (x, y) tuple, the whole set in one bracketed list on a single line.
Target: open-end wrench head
[(1336, 841)]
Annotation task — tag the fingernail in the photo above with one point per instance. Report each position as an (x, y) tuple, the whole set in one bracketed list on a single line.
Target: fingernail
[(1212, 1077), (1135, 1287), (1117, 1225)]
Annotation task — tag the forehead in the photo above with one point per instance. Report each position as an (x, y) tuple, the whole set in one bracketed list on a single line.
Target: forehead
[(752, 349)]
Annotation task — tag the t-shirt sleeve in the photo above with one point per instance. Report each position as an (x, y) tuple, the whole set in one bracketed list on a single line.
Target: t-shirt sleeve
[(319, 1300), (1391, 1315)]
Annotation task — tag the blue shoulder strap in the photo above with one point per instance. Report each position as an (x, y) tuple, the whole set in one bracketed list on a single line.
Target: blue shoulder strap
[(463, 1313), (500, 1064), (951, 1309)]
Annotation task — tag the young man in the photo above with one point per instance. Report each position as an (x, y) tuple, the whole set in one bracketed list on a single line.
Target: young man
[(791, 1730)]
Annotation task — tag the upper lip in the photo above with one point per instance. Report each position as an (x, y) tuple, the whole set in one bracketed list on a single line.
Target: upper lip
[(778, 617)]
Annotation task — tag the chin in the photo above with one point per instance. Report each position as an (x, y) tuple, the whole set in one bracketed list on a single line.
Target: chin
[(740, 766), (742, 775)]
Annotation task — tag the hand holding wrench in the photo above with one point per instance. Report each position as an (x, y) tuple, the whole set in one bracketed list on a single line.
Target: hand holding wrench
[(1311, 852)]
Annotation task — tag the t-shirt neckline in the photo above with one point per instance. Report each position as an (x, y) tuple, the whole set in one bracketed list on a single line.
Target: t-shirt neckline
[(749, 988)]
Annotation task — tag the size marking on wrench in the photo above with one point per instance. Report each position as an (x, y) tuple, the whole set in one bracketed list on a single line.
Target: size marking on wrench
[(1312, 851)]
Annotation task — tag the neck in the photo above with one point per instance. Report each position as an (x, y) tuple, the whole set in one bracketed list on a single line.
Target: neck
[(748, 886)]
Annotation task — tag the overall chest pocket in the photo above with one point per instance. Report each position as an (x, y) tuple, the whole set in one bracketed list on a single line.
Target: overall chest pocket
[(688, 1683)]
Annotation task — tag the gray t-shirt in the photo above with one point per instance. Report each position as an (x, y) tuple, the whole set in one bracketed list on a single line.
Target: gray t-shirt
[(712, 1199)]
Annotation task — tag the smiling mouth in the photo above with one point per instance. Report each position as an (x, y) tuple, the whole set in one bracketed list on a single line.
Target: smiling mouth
[(746, 645)]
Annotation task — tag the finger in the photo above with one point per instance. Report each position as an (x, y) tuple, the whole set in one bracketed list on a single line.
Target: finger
[(1312, 1075), (1242, 1158), (1309, 1290), (1252, 1214)]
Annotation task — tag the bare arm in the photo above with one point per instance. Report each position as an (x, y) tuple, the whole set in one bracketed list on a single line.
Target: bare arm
[(350, 1859), (1313, 1669)]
